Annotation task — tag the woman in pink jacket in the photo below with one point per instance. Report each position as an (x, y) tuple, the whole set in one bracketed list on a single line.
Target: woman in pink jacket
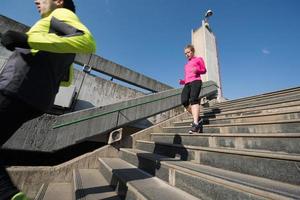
[(192, 86)]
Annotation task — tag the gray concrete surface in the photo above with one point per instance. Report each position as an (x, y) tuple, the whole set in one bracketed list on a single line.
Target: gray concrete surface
[(140, 184), (95, 91), (207, 179), (30, 179), (120, 72), (284, 126), (280, 167), (286, 142), (89, 184), (210, 172)]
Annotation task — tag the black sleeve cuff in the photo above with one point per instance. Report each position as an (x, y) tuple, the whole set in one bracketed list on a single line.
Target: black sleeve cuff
[(13, 39)]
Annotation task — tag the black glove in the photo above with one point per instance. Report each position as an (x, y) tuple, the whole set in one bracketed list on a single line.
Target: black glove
[(13, 39)]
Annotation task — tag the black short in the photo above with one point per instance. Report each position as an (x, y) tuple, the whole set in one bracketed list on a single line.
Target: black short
[(190, 93)]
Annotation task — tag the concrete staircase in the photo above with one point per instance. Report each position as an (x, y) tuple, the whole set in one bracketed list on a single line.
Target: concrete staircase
[(250, 149)]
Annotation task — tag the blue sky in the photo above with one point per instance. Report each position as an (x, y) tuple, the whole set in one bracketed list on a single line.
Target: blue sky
[(258, 40)]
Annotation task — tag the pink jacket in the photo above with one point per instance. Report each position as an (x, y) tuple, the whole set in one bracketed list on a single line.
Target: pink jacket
[(193, 69)]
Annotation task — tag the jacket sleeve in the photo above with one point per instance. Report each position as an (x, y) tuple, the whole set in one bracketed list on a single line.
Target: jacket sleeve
[(61, 32), (201, 69)]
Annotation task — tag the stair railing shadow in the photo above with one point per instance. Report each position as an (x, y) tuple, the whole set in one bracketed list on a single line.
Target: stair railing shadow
[(211, 114), (151, 162), (117, 183), (127, 174)]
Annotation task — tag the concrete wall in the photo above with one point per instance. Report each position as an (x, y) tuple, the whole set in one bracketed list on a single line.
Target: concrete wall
[(94, 91), (97, 92), (120, 72), (205, 45)]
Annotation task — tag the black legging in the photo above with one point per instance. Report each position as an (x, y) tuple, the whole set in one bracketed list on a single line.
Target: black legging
[(13, 113), (190, 93)]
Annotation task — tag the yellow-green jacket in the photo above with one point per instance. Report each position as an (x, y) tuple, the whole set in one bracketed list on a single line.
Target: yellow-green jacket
[(34, 75)]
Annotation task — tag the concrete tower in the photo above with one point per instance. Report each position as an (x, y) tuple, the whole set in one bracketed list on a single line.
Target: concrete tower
[(205, 45)]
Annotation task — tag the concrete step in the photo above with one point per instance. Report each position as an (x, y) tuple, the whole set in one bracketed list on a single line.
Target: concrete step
[(274, 108), (282, 126), (259, 101), (281, 100), (89, 184), (55, 191), (254, 103), (280, 142), (208, 182), (280, 107), (281, 167), (285, 92), (246, 119), (133, 183)]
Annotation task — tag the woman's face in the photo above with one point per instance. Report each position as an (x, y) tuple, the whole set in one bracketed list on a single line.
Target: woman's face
[(188, 53)]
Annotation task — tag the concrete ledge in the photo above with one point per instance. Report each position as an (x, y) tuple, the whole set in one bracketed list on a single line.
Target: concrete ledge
[(51, 133), (120, 72), (30, 179)]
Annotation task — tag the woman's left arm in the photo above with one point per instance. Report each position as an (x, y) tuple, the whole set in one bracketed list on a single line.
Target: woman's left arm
[(200, 66)]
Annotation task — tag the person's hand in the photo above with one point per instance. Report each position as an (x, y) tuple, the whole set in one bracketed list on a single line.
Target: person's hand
[(13, 39), (181, 82)]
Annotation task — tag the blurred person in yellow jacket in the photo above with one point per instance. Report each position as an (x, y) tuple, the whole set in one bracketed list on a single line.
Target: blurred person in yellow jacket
[(41, 61)]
